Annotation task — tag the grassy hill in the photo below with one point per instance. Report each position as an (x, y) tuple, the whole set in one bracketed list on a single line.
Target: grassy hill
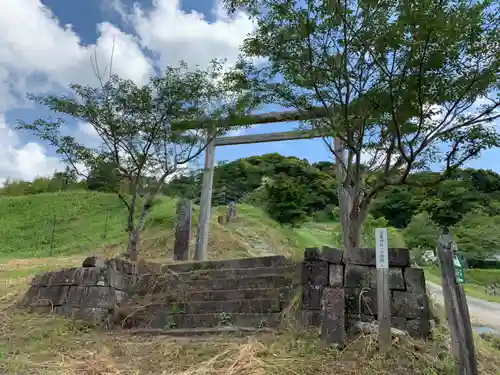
[(84, 222)]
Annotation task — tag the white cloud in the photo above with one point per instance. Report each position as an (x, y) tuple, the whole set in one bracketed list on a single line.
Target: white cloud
[(175, 35), (22, 161), (87, 129), (38, 54)]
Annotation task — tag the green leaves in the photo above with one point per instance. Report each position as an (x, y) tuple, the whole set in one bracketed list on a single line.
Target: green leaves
[(139, 143), (399, 78)]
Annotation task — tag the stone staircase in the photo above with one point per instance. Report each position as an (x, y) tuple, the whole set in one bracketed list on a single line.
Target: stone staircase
[(182, 298), (238, 294)]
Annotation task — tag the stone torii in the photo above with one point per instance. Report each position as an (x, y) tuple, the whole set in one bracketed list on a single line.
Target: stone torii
[(201, 250)]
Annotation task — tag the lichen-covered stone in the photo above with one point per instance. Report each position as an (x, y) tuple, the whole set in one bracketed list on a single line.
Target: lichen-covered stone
[(398, 257), (333, 317), (396, 279), (357, 276), (119, 280), (332, 255), (95, 276), (358, 301), (308, 318), (415, 280), (311, 296), (42, 279), (315, 272), (30, 296), (336, 276), (312, 254), (97, 296), (120, 266), (46, 296), (90, 315), (77, 296), (66, 276), (410, 305)]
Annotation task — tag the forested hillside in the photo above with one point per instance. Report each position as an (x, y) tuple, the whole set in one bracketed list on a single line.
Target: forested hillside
[(293, 191)]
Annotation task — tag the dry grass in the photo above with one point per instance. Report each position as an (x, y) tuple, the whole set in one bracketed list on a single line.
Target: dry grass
[(46, 344)]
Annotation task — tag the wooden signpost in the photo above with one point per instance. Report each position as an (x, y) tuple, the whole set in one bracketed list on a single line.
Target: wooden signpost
[(457, 311), (383, 293)]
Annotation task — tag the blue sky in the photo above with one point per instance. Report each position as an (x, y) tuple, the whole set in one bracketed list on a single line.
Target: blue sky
[(39, 52)]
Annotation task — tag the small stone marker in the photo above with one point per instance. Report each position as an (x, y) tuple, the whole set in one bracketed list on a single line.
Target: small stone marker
[(231, 211), (183, 230), (333, 317)]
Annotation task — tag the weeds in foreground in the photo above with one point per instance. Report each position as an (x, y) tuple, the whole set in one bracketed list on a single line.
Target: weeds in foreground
[(45, 344), (33, 344)]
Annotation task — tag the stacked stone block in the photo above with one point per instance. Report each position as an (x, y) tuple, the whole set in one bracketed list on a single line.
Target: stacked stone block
[(85, 293), (338, 292), (241, 292)]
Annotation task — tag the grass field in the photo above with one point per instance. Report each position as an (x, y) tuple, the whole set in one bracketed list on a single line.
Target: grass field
[(475, 281), (89, 223)]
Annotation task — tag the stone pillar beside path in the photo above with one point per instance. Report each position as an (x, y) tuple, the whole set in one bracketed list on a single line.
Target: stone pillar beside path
[(183, 229)]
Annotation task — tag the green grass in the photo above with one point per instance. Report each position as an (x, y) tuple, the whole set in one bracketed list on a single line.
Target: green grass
[(471, 286), (58, 224), (83, 222), (70, 223)]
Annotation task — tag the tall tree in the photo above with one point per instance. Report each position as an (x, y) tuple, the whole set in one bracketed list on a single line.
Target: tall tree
[(400, 85), (135, 126)]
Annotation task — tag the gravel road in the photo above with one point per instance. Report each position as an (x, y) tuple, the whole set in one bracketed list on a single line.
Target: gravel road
[(484, 314)]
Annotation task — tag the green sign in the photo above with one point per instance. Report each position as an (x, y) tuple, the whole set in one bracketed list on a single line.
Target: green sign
[(459, 269)]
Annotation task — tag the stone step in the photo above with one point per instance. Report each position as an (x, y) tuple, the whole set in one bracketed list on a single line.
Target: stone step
[(154, 284), (293, 272), (170, 321), (207, 331), (127, 267), (217, 295), (254, 306)]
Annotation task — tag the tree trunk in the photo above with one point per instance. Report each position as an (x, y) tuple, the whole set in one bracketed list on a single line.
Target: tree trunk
[(133, 240), (134, 234), (345, 201), (352, 237), (145, 210)]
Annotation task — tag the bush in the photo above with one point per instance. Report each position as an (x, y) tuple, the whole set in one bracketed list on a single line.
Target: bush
[(482, 277), (287, 200)]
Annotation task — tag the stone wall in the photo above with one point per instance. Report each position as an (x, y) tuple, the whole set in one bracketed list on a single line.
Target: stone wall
[(338, 292), (86, 293)]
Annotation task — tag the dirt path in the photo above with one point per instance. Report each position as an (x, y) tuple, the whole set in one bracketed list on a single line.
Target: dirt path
[(482, 312)]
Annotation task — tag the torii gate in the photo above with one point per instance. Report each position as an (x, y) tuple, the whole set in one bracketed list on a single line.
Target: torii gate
[(201, 250)]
